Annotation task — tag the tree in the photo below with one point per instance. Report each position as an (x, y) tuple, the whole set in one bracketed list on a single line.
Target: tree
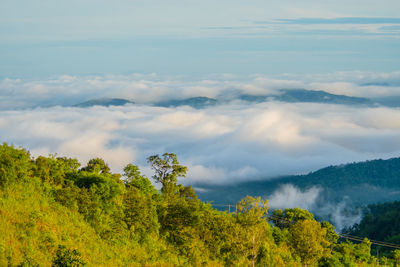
[(396, 257), (67, 258), (15, 165), (53, 170), (309, 240), (284, 219), (167, 170), (331, 235), (97, 165), (140, 213), (253, 227), (350, 253), (133, 178)]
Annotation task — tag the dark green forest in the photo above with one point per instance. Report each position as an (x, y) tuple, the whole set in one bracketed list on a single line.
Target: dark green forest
[(56, 212), (380, 221), (362, 183)]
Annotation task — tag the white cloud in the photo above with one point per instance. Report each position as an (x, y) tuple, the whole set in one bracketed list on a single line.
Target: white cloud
[(289, 196), (222, 144), (69, 90), (341, 214)]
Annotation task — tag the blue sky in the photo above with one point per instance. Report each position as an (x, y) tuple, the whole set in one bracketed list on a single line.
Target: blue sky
[(193, 38), (56, 52)]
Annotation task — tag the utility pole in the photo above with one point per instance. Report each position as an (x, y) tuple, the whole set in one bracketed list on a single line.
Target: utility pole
[(377, 255)]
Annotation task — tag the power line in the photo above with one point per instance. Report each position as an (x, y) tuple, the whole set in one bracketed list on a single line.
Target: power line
[(345, 236), (375, 242)]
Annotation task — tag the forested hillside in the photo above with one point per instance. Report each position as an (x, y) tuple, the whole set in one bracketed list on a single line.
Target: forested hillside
[(380, 222), (361, 183), (55, 212)]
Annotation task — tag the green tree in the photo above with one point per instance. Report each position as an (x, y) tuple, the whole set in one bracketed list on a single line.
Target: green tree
[(309, 241), (54, 170), (286, 218), (140, 213), (15, 165), (331, 235), (396, 256), (67, 258), (133, 178), (351, 254), (167, 170), (97, 165), (254, 228)]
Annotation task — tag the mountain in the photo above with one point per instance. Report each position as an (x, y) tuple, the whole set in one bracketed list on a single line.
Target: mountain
[(376, 84), (302, 95), (311, 96), (195, 102), (106, 102), (389, 101), (283, 95), (380, 221), (359, 183)]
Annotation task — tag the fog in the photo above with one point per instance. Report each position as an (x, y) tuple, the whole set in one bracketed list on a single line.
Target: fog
[(231, 142), (342, 214)]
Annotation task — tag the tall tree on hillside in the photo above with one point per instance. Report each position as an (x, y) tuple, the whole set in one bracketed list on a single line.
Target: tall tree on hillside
[(133, 178), (167, 170)]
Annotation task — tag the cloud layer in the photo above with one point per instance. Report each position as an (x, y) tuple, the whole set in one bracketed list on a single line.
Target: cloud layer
[(227, 143), (149, 88)]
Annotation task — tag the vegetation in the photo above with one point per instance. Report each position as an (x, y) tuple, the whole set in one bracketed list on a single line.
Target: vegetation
[(56, 213), (361, 183), (380, 222)]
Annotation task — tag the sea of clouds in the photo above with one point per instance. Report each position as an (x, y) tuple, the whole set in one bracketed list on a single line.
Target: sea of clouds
[(231, 142)]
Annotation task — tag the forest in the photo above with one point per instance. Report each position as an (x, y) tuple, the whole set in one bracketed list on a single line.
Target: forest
[(380, 221), (56, 212), (360, 183)]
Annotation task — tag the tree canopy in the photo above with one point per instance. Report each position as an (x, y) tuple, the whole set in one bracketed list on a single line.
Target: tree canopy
[(56, 213)]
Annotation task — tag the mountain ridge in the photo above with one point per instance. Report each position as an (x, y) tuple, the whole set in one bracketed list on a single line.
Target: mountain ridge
[(282, 95), (105, 102), (355, 181)]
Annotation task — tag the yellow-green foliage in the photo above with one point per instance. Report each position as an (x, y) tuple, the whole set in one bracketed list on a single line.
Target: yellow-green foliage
[(54, 214), (33, 225)]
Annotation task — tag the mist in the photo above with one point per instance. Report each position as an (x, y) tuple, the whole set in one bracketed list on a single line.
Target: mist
[(228, 143), (341, 214), (149, 88)]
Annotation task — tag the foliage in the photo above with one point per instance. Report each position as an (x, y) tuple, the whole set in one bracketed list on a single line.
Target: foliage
[(15, 165), (380, 222), (365, 182), (54, 213), (133, 178), (67, 257), (167, 170)]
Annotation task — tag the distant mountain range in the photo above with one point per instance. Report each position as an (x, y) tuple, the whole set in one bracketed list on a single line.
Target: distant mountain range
[(106, 102), (284, 95), (359, 183), (195, 102), (302, 95)]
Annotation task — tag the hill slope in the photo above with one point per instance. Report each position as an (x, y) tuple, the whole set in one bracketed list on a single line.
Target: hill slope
[(307, 96), (105, 102), (194, 102), (362, 183), (55, 213)]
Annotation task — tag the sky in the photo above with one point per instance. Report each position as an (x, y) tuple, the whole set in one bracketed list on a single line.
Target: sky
[(54, 54), (44, 38)]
